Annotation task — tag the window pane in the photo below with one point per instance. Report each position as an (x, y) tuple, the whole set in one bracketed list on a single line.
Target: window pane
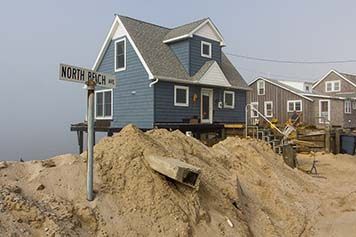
[(206, 49), (290, 106), (99, 104), (228, 99), (328, 86), (297, 106), (120, 55), (107, 104), (337, 86), (181, 96)]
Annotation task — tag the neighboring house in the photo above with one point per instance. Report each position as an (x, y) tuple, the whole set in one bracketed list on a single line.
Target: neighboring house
[(168, 76), (279, 99)]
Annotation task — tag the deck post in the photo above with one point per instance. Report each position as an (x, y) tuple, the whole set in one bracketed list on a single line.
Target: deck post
[(337, 141), (327, 139), (80, 141)]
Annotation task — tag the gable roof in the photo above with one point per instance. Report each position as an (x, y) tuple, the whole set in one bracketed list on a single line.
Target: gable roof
[(160, 60), (347, 77), (282, 86), (211, 74)]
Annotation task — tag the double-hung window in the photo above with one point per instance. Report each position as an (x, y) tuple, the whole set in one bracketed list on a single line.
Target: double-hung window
[(347, 106), (181, 96), (254, 107), (120, 55), (103, 104), (260, 87), (268, 106), (205, 49), (229, 99), (332, 86), (294, 105)]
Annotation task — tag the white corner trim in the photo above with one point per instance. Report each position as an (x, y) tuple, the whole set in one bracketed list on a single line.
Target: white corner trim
[(337, 73), (262, 78), (233, 99), (112, 105), (186, 88), (202, 43), (117, 22), (115, 57), (208, 21)]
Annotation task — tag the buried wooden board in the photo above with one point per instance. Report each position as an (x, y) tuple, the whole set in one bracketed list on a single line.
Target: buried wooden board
[(175, 169)]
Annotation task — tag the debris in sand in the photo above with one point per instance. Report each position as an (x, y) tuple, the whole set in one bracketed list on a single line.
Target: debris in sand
[(48, 163), (3, 164), (175, 169), (40, 187)]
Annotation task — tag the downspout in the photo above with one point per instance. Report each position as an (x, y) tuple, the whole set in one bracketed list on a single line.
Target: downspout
[(152, 83)]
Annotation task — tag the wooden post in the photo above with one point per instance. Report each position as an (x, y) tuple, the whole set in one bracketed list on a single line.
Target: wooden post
[(80, 141), (327, 139), (337, 141)]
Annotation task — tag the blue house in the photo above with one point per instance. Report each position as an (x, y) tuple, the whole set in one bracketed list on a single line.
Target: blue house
[(168, 77)]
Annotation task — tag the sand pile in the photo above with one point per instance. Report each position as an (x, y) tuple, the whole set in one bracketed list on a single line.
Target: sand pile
[(245, 190)]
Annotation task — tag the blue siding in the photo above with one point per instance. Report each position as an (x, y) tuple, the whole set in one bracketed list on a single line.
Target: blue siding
[(165, 111), (181, 50), (133, 98), (196, 60)]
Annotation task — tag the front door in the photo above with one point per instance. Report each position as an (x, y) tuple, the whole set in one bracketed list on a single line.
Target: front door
[(206, 106), (324, 111)]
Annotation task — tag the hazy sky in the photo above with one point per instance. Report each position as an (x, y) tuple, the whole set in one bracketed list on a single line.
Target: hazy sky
[(36, 36)]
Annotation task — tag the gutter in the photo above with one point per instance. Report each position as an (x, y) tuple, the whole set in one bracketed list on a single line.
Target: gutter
[(153, 82)]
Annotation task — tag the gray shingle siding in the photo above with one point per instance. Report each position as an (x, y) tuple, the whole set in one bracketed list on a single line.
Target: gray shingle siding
[(132, 98), (181, 50), (165, 111), (196, 60)]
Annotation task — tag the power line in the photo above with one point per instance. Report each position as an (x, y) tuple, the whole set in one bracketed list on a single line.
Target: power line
[(290, 61)]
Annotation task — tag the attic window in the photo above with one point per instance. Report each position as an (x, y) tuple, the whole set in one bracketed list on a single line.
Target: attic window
[(332, 86), (206, 49), (260, 87), (120, 55)]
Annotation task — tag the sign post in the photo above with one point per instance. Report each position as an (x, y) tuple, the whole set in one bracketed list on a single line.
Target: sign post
[(91, 79)]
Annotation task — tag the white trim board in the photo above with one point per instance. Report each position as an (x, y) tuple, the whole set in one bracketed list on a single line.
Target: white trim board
[(337, 73), (186, 88), (329, 110), (285, 88), (190, 34), (214, 76), (114, 27)]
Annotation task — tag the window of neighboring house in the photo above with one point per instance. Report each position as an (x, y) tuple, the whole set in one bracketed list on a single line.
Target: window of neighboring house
[(347, 106), (229, 99), (261, 87), (268, 109), (332, 86), (294, 105), (120, 55), (181, 96), (254, 114), (354, 104), (206, 49), (103, 104)]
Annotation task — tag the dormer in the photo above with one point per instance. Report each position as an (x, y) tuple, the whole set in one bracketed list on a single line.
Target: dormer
[(195, 44)]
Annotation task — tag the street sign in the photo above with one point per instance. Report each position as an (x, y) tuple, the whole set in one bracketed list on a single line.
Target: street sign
[(83, 75), (91, 79)]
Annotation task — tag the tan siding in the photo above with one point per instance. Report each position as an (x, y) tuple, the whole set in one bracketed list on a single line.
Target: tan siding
[(279, 97)]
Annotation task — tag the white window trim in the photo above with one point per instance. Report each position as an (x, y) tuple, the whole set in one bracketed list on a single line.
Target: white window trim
[(354, 104), (112, 107), (329, 111), (123, 68), (332, 86), (348, 107), (258, 87), (201, 49), (252, 112), (294, 101), (265, 108), (233, 100), (186, 88)]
